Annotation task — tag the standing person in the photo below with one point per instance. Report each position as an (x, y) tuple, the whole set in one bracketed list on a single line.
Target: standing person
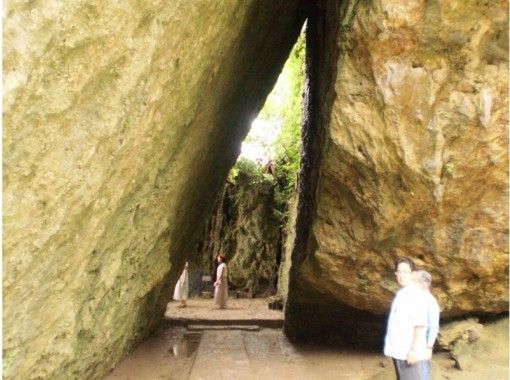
[(407, 322), (221, 283), (424, 280), (181, 288)]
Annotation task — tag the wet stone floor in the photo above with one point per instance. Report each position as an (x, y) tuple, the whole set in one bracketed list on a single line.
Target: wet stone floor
[(199, 342), (176, 353), (243, 348)]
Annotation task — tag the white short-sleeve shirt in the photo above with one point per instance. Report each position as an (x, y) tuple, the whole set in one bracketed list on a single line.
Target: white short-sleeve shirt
[(408, 310)]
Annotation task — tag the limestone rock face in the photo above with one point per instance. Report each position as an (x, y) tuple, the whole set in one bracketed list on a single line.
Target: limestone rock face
[(288, 238), (464, 332), (411, 157), (244, 226), (471, 343), (121, 121)]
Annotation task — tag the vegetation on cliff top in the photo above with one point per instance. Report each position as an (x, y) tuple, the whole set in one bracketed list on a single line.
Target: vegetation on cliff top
[(272, 149)]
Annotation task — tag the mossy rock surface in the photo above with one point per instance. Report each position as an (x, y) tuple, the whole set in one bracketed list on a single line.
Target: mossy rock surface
[(245, 227), (121, 121)]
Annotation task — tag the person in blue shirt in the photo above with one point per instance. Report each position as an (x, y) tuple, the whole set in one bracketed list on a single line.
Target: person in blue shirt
[(407, 321), (424, 280)]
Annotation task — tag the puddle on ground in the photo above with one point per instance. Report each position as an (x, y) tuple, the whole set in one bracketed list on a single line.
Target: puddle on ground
[(187, 345), (166, 355)]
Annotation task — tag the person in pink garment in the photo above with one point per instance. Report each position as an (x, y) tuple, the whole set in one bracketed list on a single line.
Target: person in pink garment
[(221, 284)]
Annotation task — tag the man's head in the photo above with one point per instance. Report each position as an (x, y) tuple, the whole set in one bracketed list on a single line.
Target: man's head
[(404, 271), (423, 279)]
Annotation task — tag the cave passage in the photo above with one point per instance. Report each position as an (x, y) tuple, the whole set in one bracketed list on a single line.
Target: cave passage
[(251, 220), (386, 136)]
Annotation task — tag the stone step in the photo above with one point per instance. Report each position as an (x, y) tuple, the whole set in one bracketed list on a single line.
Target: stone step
[(195, 327), (263, 323)]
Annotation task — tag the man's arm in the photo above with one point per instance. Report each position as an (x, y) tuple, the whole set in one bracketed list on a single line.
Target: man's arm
[(433, 328), (419, 331)]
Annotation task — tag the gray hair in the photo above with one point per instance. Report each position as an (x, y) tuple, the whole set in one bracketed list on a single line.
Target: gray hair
[(423, 276)]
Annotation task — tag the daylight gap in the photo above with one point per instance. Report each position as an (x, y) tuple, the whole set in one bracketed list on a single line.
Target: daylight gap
[(252, 217)]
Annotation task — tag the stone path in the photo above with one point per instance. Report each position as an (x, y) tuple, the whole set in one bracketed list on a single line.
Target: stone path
[(174, 353), (221, 348), (221, 355), (267, 354)]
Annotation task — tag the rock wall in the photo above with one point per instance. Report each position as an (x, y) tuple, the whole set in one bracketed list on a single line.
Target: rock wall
[(121, 121), (288, 239), (406, 153), (245, 227)]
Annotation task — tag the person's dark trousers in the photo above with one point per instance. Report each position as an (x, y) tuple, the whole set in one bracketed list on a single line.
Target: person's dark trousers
[(405, 371)]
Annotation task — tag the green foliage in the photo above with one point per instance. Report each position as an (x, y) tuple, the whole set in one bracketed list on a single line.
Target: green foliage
[(284, 105), (450, 168), (246, 171), (288, 142), (282, 110)]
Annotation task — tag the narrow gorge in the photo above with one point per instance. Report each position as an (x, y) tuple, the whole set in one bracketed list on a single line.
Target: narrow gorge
[(122, 120)]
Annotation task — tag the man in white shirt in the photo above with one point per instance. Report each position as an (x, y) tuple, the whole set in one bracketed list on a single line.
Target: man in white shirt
[(407, 323), (424, 280)]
